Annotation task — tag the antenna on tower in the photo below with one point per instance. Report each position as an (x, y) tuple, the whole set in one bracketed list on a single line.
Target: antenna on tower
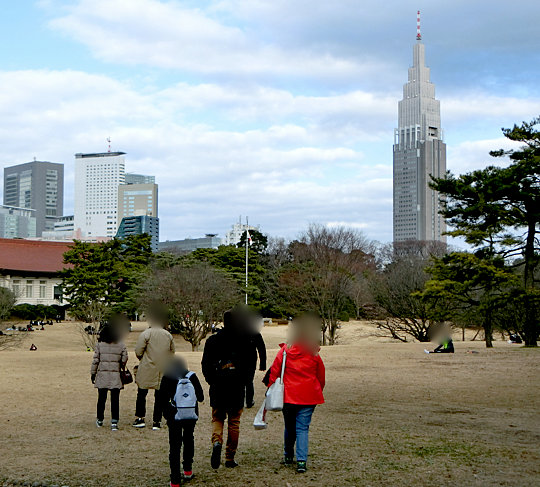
[(109, 141), (418, 34)]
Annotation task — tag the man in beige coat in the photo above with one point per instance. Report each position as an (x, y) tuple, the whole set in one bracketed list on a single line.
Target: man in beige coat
[(154, 349)]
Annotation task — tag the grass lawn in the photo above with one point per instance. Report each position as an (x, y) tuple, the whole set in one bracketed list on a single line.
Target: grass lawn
[(393, 416)]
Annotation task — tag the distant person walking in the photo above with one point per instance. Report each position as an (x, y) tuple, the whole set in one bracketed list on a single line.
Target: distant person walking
[(179, 393), (225, 368), (304, 380), (110, 356), (154, 349)]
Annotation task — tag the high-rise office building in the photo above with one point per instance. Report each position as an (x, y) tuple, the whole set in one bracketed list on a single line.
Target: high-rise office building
[(137, 225), (17, 222), (39, 186), (132, 178), (137, 200), (97, 177), (419, 153)]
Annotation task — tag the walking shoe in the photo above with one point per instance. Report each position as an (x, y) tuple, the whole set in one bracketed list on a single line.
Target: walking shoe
[(231, 464), (99, 423), (139, 423), (301, 467), (250, 404), (287, 461), (188, 475), (174, 485), (156, 425), (215, 460), (114, 425)]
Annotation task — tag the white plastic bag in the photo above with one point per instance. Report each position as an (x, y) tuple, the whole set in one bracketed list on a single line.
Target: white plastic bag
[(259, 423), (274, 394)]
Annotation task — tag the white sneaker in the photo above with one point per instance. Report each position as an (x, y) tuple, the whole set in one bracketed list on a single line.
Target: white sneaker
[(99, 423), (426, 351)]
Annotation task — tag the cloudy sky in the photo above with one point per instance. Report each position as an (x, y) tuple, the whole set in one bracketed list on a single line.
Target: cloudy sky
[(282, 110)]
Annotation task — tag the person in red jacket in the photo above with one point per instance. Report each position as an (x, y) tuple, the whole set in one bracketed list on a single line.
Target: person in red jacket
[(303, 380)]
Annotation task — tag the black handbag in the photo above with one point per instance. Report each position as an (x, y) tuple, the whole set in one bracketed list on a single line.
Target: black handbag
[(125, 376)]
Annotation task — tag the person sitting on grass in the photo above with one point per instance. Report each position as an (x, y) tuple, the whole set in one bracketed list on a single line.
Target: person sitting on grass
[(178, 394), (446, 345), (110, 356)]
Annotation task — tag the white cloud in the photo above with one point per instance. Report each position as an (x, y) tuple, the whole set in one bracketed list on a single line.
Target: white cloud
[(170, 35), (471, 155), (283, 175)]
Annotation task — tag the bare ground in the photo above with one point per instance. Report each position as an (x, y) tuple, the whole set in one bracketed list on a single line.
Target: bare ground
[(394, 416)]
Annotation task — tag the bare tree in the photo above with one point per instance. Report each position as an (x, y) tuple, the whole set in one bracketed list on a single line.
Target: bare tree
[(7, 300), (324, 263), (94, 313), (396, 290), (196, 296)]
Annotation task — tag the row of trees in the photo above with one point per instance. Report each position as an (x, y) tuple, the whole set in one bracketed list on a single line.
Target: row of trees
[(337, 272)]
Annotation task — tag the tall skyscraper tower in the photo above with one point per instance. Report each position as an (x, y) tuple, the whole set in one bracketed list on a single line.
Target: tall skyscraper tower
[(38, 186), (97, 177), (419, 152)]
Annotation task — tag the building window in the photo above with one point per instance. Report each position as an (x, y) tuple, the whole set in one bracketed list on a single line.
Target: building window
[(16, 287), (29, 288), (42, 289), (57, 293)]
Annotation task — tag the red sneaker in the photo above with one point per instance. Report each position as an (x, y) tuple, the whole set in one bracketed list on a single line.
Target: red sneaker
[(174, 485), (188, 475)]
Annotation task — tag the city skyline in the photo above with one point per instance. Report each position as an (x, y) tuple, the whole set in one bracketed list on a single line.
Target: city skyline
[(282, 112)]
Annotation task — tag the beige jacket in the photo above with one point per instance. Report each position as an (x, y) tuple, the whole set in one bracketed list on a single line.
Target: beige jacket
[(106, 364), (154, 349)]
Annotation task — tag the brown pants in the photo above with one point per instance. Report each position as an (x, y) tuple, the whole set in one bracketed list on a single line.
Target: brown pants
[(233, 429)]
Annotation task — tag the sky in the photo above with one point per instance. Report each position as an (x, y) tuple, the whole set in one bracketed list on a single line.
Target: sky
[(280, 110)]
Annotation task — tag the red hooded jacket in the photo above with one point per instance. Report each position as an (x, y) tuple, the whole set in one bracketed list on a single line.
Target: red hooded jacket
[(304, 376)]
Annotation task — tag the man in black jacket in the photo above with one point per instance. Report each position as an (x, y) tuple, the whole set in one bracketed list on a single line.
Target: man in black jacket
[(180, 431), (225, 366)]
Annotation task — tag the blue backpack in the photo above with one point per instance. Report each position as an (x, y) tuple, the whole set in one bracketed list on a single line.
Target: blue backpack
[(185, 399)]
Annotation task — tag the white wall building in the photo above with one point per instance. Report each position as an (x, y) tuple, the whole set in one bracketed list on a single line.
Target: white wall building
[(97, 177), (232, 237), (31, 268)]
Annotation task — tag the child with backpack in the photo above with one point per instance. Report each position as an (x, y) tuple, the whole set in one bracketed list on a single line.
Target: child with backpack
[(179, 393)]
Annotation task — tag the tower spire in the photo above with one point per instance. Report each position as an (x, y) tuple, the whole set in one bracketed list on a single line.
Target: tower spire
[(418, 34)]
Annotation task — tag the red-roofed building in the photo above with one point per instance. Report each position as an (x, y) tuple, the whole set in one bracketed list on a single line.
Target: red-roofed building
[(31, 268)]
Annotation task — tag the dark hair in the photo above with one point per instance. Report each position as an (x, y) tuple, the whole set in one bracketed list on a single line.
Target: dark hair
[(107, 334)]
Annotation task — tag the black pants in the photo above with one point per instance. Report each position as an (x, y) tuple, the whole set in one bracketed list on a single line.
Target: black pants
[(115, 404), (250, 391), (181, 433), (140, 406)]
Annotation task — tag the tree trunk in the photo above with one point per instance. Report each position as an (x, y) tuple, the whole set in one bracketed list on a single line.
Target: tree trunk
[(530, 326), (488, 330)]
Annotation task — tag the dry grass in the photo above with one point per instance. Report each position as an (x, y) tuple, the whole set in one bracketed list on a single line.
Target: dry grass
[(394, 416)]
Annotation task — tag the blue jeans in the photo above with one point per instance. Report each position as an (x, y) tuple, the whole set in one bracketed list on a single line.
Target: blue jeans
[(297, 420)]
